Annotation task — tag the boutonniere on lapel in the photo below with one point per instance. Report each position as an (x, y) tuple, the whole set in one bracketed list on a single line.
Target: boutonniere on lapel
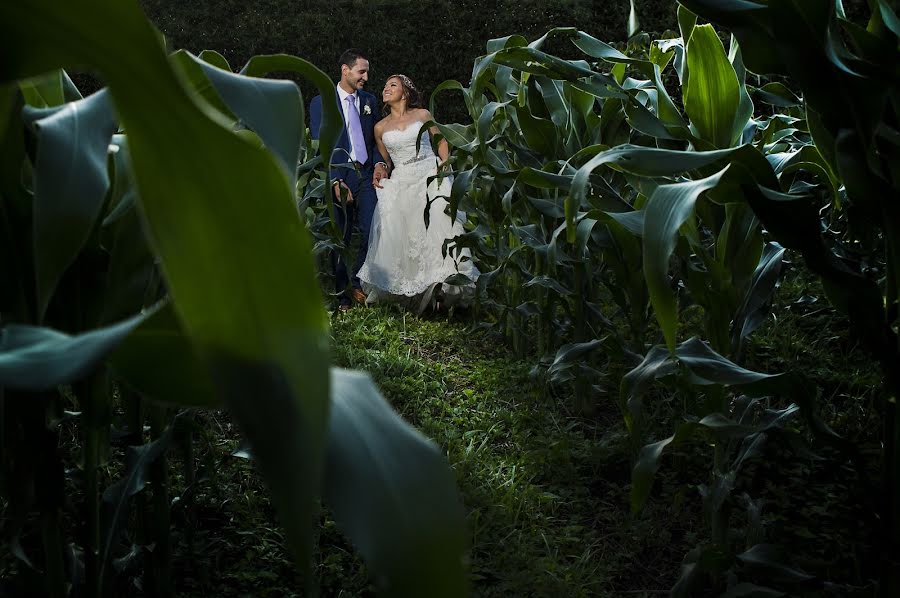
[(367, 109)]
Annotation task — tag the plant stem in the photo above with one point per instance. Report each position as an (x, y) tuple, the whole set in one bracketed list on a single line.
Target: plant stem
[(718, 514), (53, 554), (890, 578), (93, 395), (189, 472), (161, 583)]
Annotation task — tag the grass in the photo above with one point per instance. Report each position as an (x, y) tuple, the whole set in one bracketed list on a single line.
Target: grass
[(546, 493), (529, 472), (546, 489)]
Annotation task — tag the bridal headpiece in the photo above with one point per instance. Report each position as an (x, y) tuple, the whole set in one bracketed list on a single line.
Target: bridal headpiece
[(414, 99)]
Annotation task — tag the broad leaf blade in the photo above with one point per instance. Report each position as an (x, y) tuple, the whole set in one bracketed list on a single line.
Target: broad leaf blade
[(36, 358), (159, 361), (271, 108), (712, 93), (393, 493), (70, 184), (245, 290), (667, 210)]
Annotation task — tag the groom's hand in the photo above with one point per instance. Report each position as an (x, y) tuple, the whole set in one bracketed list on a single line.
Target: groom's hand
[(341, 188)]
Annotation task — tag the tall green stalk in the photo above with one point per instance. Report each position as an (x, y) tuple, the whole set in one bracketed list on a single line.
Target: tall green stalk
[(57, 585), (891, 367), (161, 570), (94, 398)]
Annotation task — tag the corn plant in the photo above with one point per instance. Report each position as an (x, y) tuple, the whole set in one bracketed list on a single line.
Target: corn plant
[(847, 75), (177, 261), (586, 182)]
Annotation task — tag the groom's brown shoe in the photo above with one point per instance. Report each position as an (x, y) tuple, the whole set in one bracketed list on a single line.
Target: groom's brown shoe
[(358, 296)]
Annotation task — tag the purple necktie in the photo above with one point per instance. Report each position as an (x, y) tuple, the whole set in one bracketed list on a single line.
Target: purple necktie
[(357, 142)]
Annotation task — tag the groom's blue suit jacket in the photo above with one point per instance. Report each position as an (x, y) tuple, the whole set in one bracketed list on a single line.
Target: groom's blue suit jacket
[(367, 118)]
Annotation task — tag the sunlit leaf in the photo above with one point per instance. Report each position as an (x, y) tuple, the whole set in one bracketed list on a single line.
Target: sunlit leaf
[(712, 94)]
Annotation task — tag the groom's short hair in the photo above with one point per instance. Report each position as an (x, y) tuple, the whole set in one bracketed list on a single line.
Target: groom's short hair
[(350, 56)]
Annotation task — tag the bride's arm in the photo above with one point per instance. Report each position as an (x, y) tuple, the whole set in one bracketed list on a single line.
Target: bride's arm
[(376, 182), (443, 148)]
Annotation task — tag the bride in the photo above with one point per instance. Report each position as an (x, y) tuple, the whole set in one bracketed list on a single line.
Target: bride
[(405, 262)]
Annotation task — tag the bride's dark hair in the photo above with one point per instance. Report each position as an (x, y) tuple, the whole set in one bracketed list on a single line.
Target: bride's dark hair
[(413, 95)]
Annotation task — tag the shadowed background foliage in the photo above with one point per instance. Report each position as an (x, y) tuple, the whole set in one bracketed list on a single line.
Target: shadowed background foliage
[(430, 41)]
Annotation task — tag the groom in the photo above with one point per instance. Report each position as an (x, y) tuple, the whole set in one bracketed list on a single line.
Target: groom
[(354, 164)]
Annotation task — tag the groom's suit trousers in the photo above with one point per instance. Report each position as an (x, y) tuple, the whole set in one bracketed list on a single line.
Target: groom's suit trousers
[(355, 215)]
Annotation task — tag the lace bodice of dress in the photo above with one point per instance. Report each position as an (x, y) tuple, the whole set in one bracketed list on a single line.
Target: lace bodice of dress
[(401, 145)]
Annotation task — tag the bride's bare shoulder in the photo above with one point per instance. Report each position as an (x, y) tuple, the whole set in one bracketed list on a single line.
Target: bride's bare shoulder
[(422, 114), (382, 124)]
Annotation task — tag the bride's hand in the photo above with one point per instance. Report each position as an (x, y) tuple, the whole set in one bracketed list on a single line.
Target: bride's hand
[(380, 173)]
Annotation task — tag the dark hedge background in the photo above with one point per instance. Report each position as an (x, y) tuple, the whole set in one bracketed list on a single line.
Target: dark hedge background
[(430, 41)]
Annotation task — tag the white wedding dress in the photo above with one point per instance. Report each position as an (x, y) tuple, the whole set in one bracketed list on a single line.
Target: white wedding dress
[(404, 262)]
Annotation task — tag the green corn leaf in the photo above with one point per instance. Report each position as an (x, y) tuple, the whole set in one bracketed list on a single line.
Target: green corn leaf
[(667, 210), (16, 246), (548, 283), (501, 43), (452, 85), (633, 25), (195, 79), (132, 274), (664, 107), (777, 94), (458, 136), (657, 364), (552, 92), (768, 561), (332, 120), (595, 48), (712, 93), (708, 367), (540, 134), (643, 120), (117, 497), (70, 184), (739, 245), (271, 108), (484, 121), (568, 356), (44, 91), (752, 312), (751, 22), (123, 197), (544, 180), (652, 162), (159, 361), (889, 17), (263, 336), (36, 358), (410, 526), (535, 62), (217, 60), (647, 464), (633, 222), (686, 23)]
